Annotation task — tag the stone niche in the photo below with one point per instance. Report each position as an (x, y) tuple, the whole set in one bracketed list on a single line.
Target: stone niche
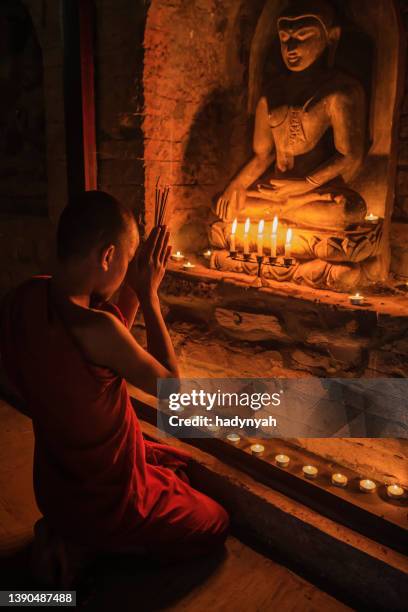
[(206, 68)]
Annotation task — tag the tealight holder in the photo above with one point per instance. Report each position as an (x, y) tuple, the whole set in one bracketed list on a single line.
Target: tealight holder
[(395, 492), (233, 438), (357, 299), (177, 256), (371, 218), (310, 471), (367, 486), (339, 480), (188, 266), (282, 461), (257, 449), (207, 254)]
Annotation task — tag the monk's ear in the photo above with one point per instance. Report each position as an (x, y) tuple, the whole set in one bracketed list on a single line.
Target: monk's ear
[(107, 257)]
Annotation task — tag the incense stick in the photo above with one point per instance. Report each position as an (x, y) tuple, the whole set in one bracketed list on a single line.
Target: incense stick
[(162, 195), (156, 201)]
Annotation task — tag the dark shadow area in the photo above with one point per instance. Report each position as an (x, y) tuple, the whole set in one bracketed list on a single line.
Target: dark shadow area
[(23, 176), (120, 582)]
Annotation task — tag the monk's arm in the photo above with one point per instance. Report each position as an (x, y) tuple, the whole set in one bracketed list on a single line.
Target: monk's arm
[(348, 117), (108, 343), (128, 303)]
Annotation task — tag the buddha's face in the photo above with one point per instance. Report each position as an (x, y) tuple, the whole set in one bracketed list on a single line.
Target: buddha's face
[(303, 40)]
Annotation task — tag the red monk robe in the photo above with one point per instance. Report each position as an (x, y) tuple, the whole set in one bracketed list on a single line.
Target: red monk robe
[(96, 480)]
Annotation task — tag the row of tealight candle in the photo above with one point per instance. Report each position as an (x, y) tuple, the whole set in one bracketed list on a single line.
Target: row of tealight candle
[(311, 472), (261, 238)]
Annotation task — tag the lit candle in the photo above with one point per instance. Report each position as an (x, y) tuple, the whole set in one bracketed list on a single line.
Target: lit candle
[(274, 237), (257, 449), (246, 236), (357, 299), (233, 232), (339, 480), (177, 256), (371, 218), (367, 486), (207, 254), (282, 460), (234, 438), (288, 243), (188, 266), (310, 471), (395, 491), (260, 240)]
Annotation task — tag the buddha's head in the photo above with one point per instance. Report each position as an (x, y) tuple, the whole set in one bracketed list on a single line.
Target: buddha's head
[(307, 30)]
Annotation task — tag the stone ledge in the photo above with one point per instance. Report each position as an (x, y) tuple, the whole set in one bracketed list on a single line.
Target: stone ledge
[(381, 305), (318, 332), (318, 546)]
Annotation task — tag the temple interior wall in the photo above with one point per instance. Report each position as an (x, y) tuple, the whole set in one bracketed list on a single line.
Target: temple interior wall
[(152, 107), (134, 130)]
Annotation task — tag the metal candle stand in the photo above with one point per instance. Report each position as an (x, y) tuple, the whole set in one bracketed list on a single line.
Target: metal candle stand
[(271, 262)]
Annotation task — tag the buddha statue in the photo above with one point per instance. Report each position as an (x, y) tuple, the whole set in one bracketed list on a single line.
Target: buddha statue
[(310, 141)]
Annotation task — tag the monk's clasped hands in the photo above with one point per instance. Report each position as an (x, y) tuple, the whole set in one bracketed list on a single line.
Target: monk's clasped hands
[(147, 269)]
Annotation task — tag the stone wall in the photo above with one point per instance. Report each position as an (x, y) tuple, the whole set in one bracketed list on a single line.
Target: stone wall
[(196, 123), (119, 55), (196, 127), (223, 329), (141, 125), (23, 178), (399, 230), (227, 328), (26, 244)]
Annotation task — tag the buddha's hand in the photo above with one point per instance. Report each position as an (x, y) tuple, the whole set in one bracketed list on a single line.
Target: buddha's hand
[(284, 189), (230, 203)]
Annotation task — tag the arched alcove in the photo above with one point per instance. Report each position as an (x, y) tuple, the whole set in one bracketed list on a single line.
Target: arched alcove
[(203, 76), (369, 49)]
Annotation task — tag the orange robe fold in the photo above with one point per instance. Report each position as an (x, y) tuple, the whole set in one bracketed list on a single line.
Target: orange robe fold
[(96, 480)]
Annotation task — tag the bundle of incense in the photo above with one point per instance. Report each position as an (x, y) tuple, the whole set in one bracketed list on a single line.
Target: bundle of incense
[(162, 196)]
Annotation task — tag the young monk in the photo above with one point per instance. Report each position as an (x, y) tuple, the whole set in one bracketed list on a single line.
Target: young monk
[(68, 351)]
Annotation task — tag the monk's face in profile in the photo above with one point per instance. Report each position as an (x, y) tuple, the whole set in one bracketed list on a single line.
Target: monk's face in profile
[(112, 261), (303, 41)]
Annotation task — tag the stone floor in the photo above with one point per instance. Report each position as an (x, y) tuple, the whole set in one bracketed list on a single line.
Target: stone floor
[(242, 579)]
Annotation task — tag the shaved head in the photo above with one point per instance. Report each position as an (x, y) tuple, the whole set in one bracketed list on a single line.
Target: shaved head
[(92, 219)]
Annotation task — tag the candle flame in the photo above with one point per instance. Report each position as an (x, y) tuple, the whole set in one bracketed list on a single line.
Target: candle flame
[(234, 227), (289, 235), (275, 225), (261, 227), (247, 225)]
